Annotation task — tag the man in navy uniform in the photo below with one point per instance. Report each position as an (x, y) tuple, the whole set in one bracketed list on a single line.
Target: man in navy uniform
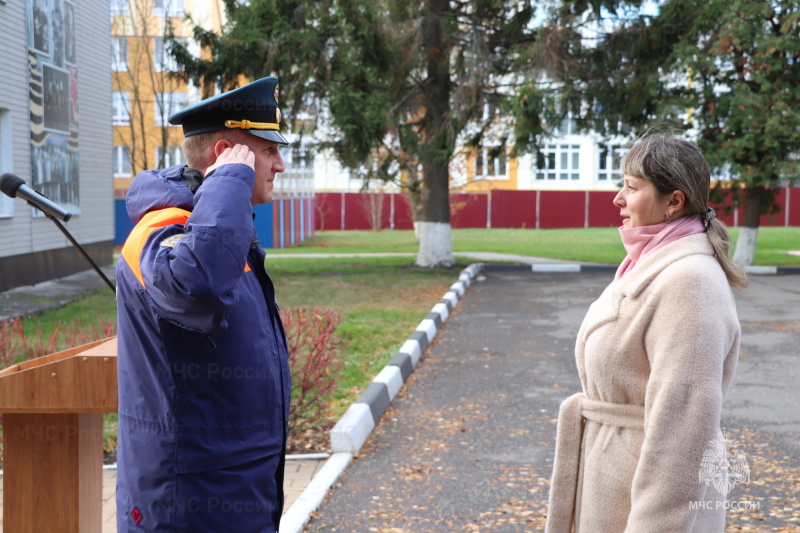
[(204, 382)]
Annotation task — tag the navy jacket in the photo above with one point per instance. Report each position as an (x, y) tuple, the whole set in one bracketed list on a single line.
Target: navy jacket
[(204, 383)]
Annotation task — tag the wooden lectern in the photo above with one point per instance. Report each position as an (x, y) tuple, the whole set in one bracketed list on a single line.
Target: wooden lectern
[(53, 438)]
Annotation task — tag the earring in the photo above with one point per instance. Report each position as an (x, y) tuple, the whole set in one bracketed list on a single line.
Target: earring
[(668, 220)]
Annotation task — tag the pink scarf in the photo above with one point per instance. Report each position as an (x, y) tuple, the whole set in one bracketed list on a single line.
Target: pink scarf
[(641, 241)]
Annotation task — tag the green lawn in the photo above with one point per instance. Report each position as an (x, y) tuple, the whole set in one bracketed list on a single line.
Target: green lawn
[(596, 245), (773, 244), (100, 305)]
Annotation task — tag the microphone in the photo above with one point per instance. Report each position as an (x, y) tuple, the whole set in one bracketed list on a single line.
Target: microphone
[(14, 186)]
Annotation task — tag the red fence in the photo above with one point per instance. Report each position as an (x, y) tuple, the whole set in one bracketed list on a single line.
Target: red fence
[(509, 209)]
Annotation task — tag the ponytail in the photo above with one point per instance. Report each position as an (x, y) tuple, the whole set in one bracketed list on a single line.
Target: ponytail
[(721, 242)]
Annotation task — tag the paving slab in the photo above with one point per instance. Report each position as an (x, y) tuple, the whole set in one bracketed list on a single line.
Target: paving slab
[(34, 299), (298, 472)]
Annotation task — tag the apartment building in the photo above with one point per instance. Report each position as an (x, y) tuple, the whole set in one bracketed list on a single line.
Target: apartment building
[(567, 161), (145, 90)]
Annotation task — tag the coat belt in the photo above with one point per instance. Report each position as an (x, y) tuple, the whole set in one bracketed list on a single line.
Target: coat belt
[(569, 436)]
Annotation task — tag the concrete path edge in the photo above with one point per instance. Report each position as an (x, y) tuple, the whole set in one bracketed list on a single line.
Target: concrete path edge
[(352, 430), (753, 270), (310, 499)]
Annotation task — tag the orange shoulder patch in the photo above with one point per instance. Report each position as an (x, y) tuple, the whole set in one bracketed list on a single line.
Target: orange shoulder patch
[(132, 250)]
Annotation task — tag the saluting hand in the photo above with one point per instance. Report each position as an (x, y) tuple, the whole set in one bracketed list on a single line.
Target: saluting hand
[(238, 153)]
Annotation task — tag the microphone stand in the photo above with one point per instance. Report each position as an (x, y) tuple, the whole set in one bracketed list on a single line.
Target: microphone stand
[(82, 251)]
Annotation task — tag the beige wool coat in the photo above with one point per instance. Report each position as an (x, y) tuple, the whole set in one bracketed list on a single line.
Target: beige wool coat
[(656, 355)]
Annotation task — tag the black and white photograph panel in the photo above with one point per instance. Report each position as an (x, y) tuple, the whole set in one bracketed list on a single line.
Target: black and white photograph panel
[(56, 99)]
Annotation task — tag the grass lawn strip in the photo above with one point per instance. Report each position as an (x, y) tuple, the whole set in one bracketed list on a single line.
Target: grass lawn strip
[(592, 245)]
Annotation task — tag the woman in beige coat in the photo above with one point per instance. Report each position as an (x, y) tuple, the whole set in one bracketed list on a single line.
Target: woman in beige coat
[(656, 355)]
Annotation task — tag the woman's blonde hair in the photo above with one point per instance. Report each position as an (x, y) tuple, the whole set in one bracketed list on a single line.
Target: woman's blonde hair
[(671, 164)]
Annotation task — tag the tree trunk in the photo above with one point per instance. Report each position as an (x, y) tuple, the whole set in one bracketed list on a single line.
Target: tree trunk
[(435, 247), (745, 250)]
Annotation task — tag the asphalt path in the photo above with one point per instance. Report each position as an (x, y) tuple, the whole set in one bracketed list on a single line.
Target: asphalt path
[(468, 443)]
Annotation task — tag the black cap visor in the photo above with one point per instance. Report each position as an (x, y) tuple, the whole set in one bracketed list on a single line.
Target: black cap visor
[(270, 135)]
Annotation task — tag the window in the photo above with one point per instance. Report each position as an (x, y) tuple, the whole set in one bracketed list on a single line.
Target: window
[(119, 54), (608, 165), (490, 162), (6, 203), (567, 127), (121, 105), (119, 7), (173, 155), (168, 8), (162, 59), (167, 104), (122, 162), (558, 161)]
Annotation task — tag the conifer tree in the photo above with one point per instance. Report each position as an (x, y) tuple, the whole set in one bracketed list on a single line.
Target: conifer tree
[(727, 72), (401, 81)]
